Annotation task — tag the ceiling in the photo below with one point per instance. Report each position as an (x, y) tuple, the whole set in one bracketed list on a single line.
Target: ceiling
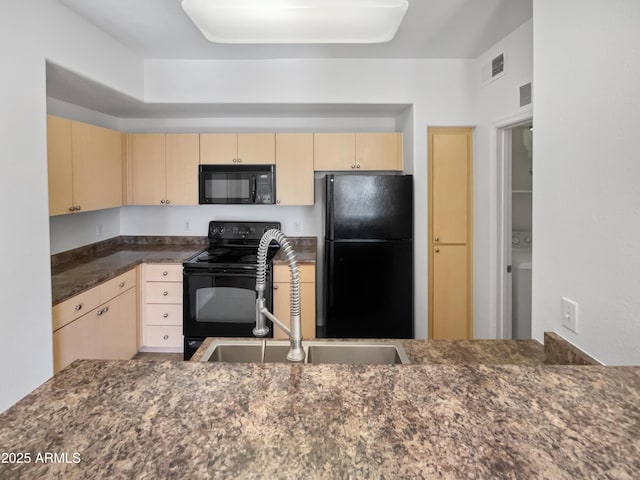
[(159, 29)]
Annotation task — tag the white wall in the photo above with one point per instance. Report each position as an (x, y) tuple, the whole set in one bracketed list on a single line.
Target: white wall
[(586, 207), (495, 101), (26, 40)]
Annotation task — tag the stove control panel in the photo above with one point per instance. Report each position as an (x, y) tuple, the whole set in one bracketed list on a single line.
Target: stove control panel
[(240, 230)]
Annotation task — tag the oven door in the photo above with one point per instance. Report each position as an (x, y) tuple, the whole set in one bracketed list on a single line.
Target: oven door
[(222, 303)]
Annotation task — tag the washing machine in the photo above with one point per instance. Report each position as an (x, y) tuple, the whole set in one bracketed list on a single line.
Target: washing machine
[(521, 284)]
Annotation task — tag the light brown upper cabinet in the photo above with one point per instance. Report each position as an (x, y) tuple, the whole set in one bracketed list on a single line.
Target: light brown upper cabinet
[(450, 233), (163, 168), (85, 166), (358, 151), (294, 169), (237, 148)]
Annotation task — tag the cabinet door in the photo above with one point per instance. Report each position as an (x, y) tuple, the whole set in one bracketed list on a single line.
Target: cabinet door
[(147, 158), (334, 151), (60, 165), (256, 148), (76, 340), (281, 301), (182, 158), (451, 303), (218, 148), (97, 167), (117, 327), (379, 151), (294, 169), (450, 154)]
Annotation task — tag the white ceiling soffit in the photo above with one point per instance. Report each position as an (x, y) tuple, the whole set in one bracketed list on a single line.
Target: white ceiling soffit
[(70, 87), (431, 29)]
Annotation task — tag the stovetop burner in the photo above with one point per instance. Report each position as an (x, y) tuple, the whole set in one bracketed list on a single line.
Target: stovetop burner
[(234, 244)]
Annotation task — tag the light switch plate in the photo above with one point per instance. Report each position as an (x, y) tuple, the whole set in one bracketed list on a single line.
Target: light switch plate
[(570, 314)]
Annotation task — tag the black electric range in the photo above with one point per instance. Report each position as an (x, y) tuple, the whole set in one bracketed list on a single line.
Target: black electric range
[(219, 283)]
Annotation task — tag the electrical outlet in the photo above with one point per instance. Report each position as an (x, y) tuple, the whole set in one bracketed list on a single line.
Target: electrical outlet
[(99, 230), (296, 227), (570, 314), (187, 225)]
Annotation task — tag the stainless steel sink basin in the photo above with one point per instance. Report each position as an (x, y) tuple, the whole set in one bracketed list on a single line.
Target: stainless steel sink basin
[(317, 351)]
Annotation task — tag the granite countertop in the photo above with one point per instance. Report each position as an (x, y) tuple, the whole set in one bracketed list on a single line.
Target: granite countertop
[(306, 249), (83, 268), (448, 352), (151, 419)]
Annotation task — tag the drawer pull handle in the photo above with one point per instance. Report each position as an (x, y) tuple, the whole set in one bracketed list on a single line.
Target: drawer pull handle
[(164, 274), (166, 337), (121, 284), (165, 293), (78, 307), (165, 315)]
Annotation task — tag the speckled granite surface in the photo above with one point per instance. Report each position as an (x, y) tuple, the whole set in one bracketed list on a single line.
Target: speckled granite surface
[(306, 249), (559, 351), (449, 352), (174, 420), (77, 270)]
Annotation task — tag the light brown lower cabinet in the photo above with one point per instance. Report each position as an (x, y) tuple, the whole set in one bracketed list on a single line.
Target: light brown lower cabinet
[(107, 331), (450, 306), (282, 295)]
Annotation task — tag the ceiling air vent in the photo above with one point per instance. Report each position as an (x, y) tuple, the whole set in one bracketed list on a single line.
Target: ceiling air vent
[(492, 70), (525, 94)]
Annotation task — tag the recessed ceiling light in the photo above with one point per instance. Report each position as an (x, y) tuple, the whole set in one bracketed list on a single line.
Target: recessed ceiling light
[(296, 21)]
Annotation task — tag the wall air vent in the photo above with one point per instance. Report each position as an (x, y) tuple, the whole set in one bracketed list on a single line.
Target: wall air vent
[(492, 70), (525, 94)]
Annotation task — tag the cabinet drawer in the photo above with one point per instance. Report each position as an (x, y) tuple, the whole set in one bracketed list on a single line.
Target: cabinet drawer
[(163, 272), (163, 336), (163, 292), (114, 287), (159, 314), (281, 273), (67, 311)]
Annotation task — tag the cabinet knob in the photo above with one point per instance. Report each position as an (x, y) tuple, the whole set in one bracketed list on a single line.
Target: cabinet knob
[(165, 315), (164, 274), (165, 294), (78, 307), (436, 250), (168, 202), (437, 239), (357, 165), (239, 160), (278, 202), (106, 309), (121, 284), (78, 208), (353, 166), (275, 287), (162, 202), (166, 337), (100, 312), (72, 209)]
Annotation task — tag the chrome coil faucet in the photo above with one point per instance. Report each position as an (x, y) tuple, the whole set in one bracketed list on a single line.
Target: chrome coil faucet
[(296, 353)]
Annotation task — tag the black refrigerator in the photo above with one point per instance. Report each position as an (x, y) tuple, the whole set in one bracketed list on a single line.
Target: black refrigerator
[(368, 274)]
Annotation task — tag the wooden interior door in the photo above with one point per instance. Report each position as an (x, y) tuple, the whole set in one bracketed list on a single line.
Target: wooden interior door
[(450, 244), (450, 306), (60, 165)]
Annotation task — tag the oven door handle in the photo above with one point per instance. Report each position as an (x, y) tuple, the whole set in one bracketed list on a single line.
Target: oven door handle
[(226, 273)]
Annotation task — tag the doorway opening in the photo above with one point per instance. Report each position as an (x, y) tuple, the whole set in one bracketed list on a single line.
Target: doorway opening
[(515, 229)]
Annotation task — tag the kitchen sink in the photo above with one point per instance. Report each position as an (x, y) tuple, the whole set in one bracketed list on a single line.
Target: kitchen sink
[(317, 351)]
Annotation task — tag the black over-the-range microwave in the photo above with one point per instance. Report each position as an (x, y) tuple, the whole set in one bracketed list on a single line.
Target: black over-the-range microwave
[(241, 184)]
